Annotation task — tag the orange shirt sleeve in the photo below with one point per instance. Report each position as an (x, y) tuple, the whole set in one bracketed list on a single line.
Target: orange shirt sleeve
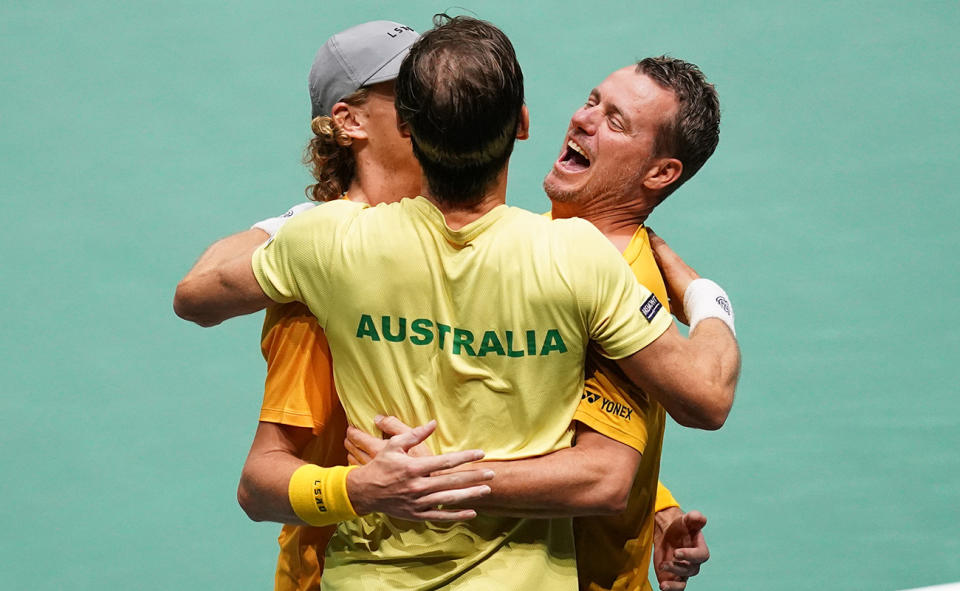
[(665, 498), (299, 389), (606, 405)]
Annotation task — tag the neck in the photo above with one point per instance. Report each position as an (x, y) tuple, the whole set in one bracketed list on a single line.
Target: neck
[(617, 220), (457, 216), (376, 182)]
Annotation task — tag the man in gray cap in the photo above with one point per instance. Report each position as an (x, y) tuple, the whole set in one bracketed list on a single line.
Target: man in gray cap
[(363, 55), (357, 150)]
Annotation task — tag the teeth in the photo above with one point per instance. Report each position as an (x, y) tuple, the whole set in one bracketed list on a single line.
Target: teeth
[(576, 148)]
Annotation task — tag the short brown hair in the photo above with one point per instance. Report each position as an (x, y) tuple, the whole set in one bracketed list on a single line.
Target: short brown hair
[(460, 91), (328, 155), (694, 133)]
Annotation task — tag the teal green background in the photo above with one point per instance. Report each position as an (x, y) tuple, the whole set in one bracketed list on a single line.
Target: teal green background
[(134, 134)]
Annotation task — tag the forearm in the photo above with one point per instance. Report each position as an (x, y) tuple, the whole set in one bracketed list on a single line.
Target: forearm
[(718, 354), (592, 478), (221, 284), (274, 457), (263, 491), (225, 249), (713, 369), (694, 379)]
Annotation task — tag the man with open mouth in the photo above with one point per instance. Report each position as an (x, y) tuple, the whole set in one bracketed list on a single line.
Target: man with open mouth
[(597, 177)]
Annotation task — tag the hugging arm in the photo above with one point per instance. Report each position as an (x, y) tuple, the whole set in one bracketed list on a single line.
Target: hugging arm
[(221, 284), (573, 481), (395, 483), (693, 378)]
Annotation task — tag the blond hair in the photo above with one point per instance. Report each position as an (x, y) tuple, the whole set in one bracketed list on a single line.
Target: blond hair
[(328, 155)]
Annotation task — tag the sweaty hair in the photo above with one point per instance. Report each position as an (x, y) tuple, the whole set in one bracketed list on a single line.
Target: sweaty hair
[(460, 91), (328, 155), (693, 134)]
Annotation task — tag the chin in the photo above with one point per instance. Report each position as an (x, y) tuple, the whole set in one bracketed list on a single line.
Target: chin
[(557, 193)]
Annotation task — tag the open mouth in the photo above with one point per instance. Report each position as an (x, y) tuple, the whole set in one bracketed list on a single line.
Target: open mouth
[(574, 158)]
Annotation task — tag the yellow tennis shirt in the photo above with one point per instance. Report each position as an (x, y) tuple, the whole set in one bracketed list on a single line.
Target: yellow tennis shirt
[(613, 552), (485, 329)]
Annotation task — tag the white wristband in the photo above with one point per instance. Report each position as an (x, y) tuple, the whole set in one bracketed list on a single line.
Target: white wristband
[(272, 225), (705, 299)]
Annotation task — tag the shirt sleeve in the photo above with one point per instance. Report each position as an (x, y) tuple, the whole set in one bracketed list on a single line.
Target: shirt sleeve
[(665, 498), (298, 390), (608, 410), (620, 315), (295, 264)]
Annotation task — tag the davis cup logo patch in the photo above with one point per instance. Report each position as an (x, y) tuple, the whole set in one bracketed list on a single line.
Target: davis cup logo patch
[(650, 307)]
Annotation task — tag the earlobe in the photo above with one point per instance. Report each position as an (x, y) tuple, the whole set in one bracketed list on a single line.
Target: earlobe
[(404, 128), (347, 119), (523, 125)]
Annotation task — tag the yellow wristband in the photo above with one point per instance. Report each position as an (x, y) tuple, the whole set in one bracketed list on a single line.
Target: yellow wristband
[(665, 499), (319, 495)]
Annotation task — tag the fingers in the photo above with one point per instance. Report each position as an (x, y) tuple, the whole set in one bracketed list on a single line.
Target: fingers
[(363, 445), (454, 481), (414, 436), (667, 259), (356, 455), (673, 585), (456, 497), (695, 551), (694, 521), (681, 569), (433, 504), (391, 425), (431, 464), (696, 554), (441, 515)]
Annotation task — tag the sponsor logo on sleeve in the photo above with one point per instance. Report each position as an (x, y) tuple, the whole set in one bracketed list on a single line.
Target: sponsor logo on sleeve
[(650, 307), (608, 406)]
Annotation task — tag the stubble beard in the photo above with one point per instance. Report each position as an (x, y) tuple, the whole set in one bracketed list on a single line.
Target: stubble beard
[(555, 194)]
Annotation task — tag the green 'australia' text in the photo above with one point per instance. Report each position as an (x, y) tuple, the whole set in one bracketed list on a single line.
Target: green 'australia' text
[(461, 341)]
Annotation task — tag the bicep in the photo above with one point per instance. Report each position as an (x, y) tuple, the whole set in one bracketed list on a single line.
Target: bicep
[(277, 438), (222, 291), (615, 453)]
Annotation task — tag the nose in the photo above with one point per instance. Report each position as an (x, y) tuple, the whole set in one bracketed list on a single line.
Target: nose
[(585, 119)]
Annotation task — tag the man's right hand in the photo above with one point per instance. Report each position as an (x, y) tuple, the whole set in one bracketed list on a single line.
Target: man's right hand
[(402, 485), (363, 447), (676, 274)]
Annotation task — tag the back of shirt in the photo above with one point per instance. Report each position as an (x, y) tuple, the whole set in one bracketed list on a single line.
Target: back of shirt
[(484, 328)]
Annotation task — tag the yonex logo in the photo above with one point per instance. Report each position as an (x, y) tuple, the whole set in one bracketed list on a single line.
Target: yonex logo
[(609, 406), (723, 303)]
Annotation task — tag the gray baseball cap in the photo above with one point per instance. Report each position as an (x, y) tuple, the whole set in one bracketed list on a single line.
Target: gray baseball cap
[(360, 56)]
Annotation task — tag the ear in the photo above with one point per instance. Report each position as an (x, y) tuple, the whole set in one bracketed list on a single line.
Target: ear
[(404, 128), (523, 126), (350, 120), (662, 173)]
